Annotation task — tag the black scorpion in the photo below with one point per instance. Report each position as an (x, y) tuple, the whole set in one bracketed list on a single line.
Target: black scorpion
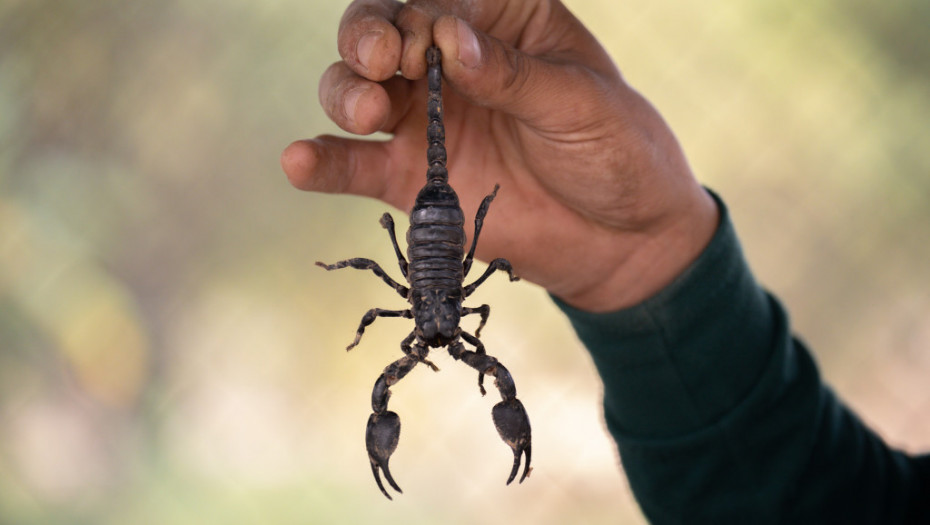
[(436, 274)]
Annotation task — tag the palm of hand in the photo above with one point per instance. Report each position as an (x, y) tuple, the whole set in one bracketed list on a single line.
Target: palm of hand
[(595, 192), (559, 176)]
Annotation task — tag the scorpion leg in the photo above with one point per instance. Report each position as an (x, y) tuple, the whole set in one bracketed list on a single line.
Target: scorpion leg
[(370, 317), (484, 310), (496, 264), (383, 430), (509, 415), (387, 222), (407, 348), (479, 221), (367, 264)]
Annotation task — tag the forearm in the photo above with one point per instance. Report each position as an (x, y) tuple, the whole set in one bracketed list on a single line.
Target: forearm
[(720, 415)]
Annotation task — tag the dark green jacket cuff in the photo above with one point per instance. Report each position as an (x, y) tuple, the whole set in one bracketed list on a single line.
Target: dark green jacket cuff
[(669, 361), (720, 415)]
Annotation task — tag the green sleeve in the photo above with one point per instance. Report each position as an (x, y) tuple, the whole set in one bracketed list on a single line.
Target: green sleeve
[(720, 414)]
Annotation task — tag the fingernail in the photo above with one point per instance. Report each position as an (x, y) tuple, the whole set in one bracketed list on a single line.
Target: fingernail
[(364, 47), (351, 100), (469, 50)]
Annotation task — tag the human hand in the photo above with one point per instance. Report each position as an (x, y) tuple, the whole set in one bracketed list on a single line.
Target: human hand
[(597, 202)]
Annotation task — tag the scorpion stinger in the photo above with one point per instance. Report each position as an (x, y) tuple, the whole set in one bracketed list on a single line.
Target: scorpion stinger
[(435, 269)]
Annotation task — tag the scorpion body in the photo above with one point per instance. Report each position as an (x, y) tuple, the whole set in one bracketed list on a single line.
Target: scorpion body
[(436, 273)]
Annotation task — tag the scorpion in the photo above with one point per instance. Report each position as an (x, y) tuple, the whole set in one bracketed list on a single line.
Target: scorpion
[(436, 273)]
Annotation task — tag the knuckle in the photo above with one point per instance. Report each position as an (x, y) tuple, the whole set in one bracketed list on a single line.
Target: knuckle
[(517, 71), (415, 17)]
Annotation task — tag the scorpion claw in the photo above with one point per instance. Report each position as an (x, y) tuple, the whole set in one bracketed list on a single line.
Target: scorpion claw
[(374, 470), (381, 438), (513, 425)]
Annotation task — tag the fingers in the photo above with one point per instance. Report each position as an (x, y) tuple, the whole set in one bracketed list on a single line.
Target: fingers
[(368, 41), (557, 56), (337, 165), (360, 106), (377, 38), (356, 105), (415, 23), (494, 74)]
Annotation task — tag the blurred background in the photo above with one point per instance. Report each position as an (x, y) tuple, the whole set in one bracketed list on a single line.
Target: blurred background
[(170, 355)]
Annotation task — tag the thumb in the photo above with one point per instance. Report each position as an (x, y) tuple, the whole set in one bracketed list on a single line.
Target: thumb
[(492, 73)]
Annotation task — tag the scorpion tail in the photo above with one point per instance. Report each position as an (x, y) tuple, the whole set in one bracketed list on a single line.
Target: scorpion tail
[(381, 439), (435, 130)]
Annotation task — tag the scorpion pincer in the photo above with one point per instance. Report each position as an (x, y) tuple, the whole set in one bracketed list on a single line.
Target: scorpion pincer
[(436, 273)]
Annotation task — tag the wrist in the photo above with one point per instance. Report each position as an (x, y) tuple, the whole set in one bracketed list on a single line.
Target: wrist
[(643, 263)]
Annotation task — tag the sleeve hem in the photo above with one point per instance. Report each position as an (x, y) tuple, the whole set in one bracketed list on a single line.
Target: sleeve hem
[(686, 356)]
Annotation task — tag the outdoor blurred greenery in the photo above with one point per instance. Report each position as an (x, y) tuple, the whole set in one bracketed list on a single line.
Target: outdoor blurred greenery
[(170, 355)]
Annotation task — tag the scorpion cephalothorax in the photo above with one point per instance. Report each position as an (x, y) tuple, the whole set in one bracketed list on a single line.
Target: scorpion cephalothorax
[(436, 274)]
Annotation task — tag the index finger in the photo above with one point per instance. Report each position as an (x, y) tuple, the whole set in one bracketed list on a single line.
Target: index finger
[(368, 41)]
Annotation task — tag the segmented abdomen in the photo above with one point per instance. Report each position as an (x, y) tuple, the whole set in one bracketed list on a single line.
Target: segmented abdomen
[(436, 239)]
